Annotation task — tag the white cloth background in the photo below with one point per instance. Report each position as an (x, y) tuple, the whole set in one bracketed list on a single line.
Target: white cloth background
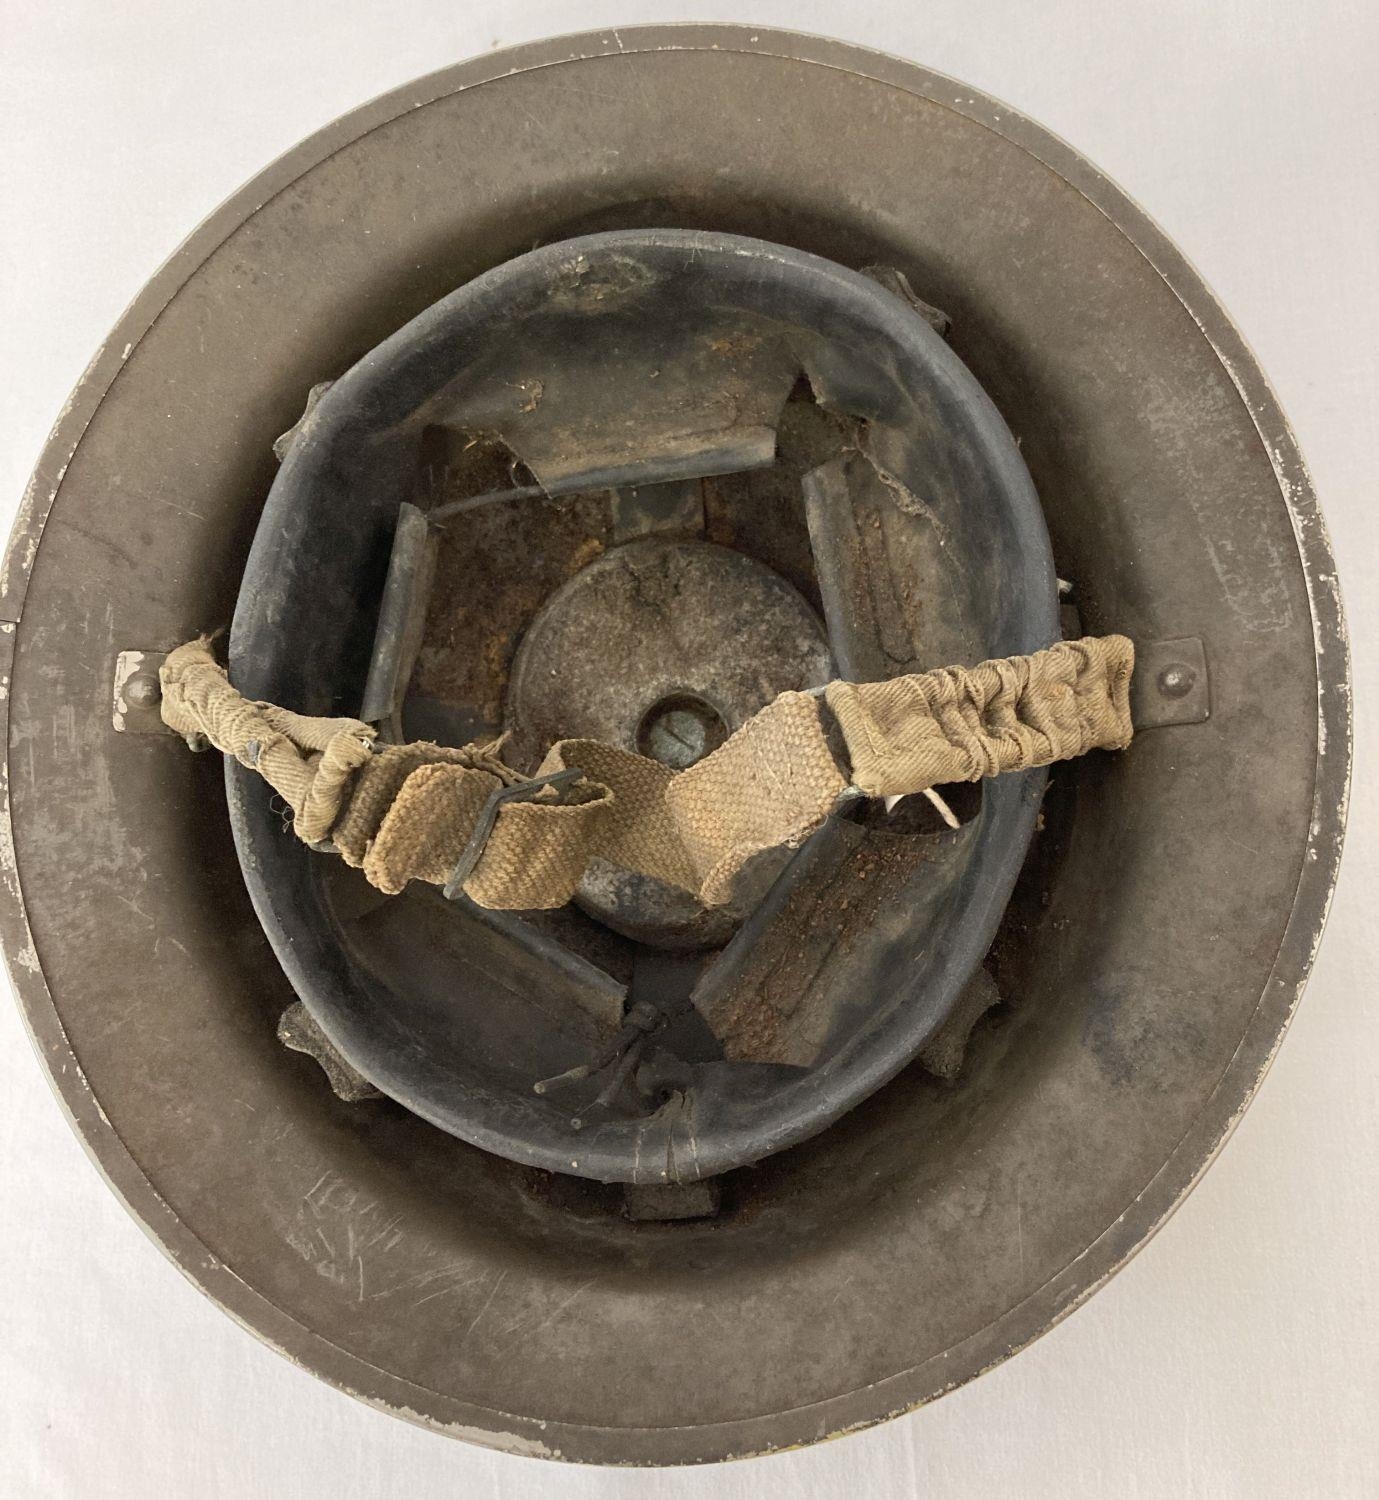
[(1238, 1355)]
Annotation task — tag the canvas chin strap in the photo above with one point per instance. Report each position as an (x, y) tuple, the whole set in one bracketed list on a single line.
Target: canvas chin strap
[(461, 819)]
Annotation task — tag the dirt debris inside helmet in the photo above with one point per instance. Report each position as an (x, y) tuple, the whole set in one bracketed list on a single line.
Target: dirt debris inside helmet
[(497, 566), (671, 487)]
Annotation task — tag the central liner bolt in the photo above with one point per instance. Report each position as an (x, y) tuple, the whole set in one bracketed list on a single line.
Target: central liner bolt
[(680, 730)]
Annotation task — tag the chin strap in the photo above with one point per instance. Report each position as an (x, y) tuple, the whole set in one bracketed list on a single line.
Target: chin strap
[(463, 820)]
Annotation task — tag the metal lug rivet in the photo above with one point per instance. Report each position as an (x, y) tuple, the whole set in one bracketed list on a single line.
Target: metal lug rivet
[(143, 690), (1177, 680)]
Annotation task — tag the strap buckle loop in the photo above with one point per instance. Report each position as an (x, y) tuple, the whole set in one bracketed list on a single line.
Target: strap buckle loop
[(523, 791)]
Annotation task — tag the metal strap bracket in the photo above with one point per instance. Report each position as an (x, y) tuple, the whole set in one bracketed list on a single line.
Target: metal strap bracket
[(524, 791), (1171, 684)]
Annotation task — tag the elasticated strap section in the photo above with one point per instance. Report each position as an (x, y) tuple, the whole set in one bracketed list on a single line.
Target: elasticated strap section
[(309, 762), (961, 723)]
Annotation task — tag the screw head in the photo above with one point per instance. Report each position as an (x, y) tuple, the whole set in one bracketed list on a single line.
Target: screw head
[(1177, 680), (680, 730), (143, 690)]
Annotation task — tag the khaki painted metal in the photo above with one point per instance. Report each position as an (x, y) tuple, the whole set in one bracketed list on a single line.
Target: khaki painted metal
[(1152, 956)]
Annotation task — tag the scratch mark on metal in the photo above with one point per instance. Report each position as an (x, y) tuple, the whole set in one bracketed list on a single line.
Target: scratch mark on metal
[(474, 1321)]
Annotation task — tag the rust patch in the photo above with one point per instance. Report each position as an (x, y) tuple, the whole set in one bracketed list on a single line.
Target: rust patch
[(780, 1010), (495, 567)]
